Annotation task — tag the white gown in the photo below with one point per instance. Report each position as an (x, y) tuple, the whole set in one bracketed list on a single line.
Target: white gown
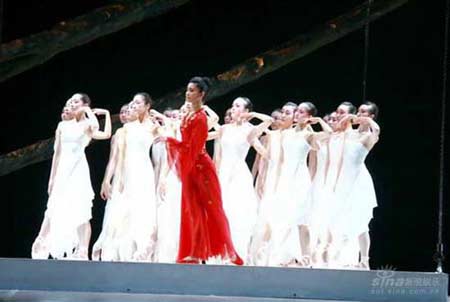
[(354, 194), (169, 214), (236, 181), (106, 248), (259, 245), (70, 203), (319, 205), (134, 226), (291, 206)]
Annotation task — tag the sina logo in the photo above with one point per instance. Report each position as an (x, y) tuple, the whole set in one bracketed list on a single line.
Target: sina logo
[(384, 277)]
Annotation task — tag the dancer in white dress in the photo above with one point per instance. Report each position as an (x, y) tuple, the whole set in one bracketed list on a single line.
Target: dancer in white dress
[(238, 193), (105, 247), (136, 226), (65, 231), (320, 213), (292, 209), (260, 165), (168, 205), (353, 192)]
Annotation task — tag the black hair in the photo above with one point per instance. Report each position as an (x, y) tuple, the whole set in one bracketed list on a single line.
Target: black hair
[(373, 109), (312, 110), (248, 103), (351, 107), (202, 83), (85, 98), (278, 110), (147, 98), (291, 104)]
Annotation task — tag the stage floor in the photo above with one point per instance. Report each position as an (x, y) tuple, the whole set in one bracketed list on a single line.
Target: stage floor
[(64, 296), (51, 280)]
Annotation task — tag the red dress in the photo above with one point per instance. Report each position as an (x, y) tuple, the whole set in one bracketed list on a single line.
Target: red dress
[(204, 227)]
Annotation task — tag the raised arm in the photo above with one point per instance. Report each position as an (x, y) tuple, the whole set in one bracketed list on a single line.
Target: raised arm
[(213, 118), (259, 129), (106, 133), (326, 129), (369, 138)]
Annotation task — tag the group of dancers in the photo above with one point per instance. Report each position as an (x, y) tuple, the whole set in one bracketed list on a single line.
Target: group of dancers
[(306, 202)]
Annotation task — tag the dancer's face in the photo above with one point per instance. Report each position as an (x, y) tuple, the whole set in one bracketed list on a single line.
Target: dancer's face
[(287, 116), (66, 114), (277, 121), (175, 115), (302, 113), (123, 114), (332, 121), (227, 119), (132, 112), (364, 111), (193, 94), (76, 103), (238, 108), (341, 111), (139, 104)]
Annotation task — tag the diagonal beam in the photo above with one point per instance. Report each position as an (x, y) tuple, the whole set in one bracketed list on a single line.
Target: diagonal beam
[(248, 71), (22, 54)]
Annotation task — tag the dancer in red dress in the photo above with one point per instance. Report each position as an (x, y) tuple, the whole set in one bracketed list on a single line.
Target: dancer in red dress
[(205, 232)]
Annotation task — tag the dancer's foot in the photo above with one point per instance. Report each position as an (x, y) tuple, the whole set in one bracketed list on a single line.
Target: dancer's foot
[(39, 249), (81, 253)]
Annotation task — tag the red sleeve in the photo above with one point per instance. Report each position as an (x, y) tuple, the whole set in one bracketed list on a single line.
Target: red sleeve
[(184, 153)]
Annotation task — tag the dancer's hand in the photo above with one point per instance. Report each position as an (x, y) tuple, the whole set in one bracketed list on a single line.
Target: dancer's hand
[(162, 189), (346, 119), (105, 192)]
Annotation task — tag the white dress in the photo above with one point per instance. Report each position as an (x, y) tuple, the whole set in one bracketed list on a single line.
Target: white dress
[(319, 210), (354, 193), (169, 212), (70, 203), (106, 248), (236, 181), (291, 206), (135, 223), (259, 245)]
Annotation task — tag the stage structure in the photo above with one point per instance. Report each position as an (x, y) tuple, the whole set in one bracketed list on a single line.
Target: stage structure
[(106, 281)]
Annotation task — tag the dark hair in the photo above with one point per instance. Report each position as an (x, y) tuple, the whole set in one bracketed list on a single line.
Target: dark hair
[(147, 98), (202, 83), (84, 98), (312, 110), (278, 110), (291, 104), (351, 107), (373, 109), (248, 103), (167, 110), (125, 105)]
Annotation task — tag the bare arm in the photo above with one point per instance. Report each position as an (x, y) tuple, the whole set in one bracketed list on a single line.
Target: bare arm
[(326, 129), (259, 129), (369, 138), (106, 133), (105, 192), (213, 118)]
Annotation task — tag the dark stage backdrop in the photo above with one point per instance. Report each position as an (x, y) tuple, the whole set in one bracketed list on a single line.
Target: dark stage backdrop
[(207, 37)]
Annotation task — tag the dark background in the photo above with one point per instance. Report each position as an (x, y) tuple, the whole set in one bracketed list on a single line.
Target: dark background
[(208, 37)]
